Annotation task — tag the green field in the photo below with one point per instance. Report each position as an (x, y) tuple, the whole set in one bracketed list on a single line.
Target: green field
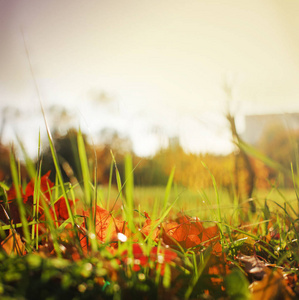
[(203, 203), (83, 241)]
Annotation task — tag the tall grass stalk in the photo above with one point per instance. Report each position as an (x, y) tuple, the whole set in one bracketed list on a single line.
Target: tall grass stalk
[(21, 206), (4, 188), (36, 204), (85, 171), (90, 202), (161, 219), (60, 182), (129, 189), (220, 220), (51, 143), (50, 222), (295, 184), (168, 189), (204, 258), (118, 181), (109, 186), (60, 178), (265, 159)]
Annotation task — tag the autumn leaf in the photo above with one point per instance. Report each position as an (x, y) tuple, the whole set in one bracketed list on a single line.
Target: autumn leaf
[(218, 268), (162, 257), (147, 228), (13, 244), (253, 265), (107, 227), (12, 194), (272, 286), (10, 211), (189, 232), (45, 186), (176, 231), (138, 260), (61, 210)]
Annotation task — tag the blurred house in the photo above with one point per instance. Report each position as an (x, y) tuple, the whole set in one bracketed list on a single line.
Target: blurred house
[(256, 125)]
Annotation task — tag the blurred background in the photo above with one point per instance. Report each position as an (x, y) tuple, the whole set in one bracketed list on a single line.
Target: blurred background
[(171, 82)]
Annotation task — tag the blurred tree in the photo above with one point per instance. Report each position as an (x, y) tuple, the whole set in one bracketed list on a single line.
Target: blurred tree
[(60, 119), (281, 145), (5, 170), (5, 173), (244, 173), (111, 143), (68, 156), (111, 138)]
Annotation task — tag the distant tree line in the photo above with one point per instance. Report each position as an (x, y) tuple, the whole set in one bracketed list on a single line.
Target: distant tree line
[(276, 143)]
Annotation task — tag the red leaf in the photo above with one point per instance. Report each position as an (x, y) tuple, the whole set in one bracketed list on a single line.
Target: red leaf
[(189, 232), (167, 254), (45, 186), (12, 194), (162, 256), (148, 226), (61, 210), (139, 259), (107, 227)]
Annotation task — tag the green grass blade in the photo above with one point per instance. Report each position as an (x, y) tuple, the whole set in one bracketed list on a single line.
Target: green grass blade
[(91, 205), (161, 219), (200, 268), (21, 205), (109, 186), (295, 188), (85, 171), (168, 189), (265, 159), (129, 190), (220, 221), (118, 179)]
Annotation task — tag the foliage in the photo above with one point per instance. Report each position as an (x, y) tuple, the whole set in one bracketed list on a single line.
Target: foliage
[(280, 145), (60, 240), (67, 150)]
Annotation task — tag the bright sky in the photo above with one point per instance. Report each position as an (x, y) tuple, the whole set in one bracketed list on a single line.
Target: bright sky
[(161, 64)]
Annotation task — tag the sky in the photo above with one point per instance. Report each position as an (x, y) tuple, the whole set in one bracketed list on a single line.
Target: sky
[(149, 69)]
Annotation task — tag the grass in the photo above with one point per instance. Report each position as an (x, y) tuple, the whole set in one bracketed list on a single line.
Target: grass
[(193, 202), (148, 242), (127, 242)]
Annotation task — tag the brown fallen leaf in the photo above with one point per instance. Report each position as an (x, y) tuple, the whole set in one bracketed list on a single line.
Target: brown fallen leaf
[(13, 244), (273, 286), (253, 265)]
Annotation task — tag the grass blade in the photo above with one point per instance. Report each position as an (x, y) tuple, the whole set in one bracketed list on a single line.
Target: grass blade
[(129, 190), (91, 205), (168, 189), (21, 205)]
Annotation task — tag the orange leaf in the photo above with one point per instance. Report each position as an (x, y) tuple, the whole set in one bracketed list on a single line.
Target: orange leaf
[(45, 185), (13, 244), (107, 227), (148, 226), (12, 194), (272, 286), (161, 257), (61, 209), (189, 232)]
